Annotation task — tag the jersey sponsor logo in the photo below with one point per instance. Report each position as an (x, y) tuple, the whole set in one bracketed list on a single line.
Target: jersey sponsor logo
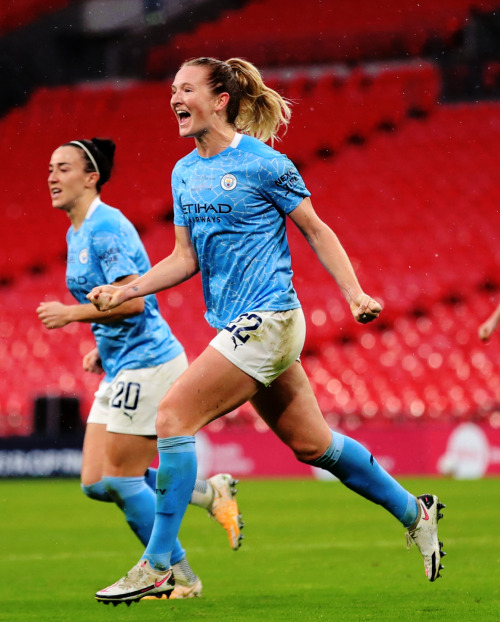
[(228, 182), (288, 180), (206, 212), (76, 280), (207, 219), (83, 256), (206, 208)]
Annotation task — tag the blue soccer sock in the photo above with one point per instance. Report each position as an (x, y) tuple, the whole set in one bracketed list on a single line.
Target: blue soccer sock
[(138, 506), (97, 491), (357, 469), (150, 477), (201, 496), (178, 554), (175, 482), (137, 500)]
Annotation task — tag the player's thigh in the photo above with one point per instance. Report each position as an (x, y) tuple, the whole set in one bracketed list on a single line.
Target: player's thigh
[(211, 387), (94, 443), (94, 447), (128, 455), (290, 409)]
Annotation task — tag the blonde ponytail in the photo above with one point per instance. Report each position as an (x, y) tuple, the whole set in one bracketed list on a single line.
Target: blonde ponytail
[(262, 111)]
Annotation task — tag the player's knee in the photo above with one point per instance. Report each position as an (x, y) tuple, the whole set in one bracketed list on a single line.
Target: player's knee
[(117, 488), (168, 419), (306, 452)]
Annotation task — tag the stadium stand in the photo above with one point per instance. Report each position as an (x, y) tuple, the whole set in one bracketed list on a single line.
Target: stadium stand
[(348, 31), (335, 106), (14, 15), (424, 240)]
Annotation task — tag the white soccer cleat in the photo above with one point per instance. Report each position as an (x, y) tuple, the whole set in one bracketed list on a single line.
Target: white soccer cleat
[(425, 535), (224, 507), (182, 590), (187, 590), (139, 582)]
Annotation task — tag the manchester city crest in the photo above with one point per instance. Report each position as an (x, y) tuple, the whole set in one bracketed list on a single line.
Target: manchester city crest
[(228, 182)]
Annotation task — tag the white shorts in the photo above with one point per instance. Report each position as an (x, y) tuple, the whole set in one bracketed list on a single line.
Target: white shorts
[(263, 344), (129, 403)]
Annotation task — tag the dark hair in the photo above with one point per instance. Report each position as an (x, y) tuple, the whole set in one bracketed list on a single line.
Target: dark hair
[(103, 152)]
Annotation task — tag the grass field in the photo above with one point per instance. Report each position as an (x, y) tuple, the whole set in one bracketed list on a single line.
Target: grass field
[(312, 551)]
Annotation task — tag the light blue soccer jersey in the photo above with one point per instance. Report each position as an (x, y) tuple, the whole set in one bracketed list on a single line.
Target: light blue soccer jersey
[(235, 205), (105, 248)]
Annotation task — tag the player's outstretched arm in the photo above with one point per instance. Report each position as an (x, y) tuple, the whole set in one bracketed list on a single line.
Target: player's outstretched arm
[(332, 255), (179, 266), (486, 329)]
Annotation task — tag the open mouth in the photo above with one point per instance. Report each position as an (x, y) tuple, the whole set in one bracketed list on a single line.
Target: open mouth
[(183, 117)]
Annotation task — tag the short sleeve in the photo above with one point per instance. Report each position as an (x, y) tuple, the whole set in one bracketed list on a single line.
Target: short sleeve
[(112, 251), (282, 184)]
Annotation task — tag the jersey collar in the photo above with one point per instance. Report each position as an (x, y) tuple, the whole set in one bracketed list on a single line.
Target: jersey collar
[(236, 140), (93, 207)]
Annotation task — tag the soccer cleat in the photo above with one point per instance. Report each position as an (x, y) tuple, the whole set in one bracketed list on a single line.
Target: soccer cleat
[(187, 590), (424, 533), (182, 590), (139, 582), (224, 507)]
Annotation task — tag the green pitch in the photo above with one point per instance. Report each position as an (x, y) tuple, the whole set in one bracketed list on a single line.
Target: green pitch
[(312, 551)]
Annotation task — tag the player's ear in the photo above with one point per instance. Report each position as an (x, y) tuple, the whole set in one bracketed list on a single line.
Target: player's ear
[(92, 179), (221, 101)]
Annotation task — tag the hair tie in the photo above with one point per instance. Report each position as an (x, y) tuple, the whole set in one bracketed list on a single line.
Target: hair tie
[(87, 151)]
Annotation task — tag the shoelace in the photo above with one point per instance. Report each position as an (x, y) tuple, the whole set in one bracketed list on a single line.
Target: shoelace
[(409, 540)]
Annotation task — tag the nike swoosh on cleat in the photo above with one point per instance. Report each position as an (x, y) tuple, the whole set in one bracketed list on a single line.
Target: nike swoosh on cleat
[(425, 516), (160, 583)]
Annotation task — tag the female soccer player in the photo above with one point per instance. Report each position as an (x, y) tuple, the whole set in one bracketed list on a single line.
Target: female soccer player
[(135, 349), (232, 194)]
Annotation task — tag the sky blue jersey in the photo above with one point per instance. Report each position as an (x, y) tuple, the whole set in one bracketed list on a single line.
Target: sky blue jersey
[(105, 248), (235, 205)]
